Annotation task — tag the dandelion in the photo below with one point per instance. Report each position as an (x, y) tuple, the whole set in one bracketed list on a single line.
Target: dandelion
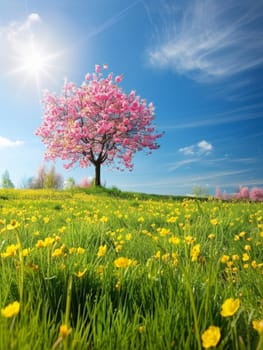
[(13, 225), (258, 326), (245, 257), (174, 240), (224, 259), (11, 309), (64, 330), (122, 262), (211, 337), (10, 250), (195, 251), (247, 247), (230, 307), (214, 222), (189, 239), (102, 251), (211, 236), (80, 250)]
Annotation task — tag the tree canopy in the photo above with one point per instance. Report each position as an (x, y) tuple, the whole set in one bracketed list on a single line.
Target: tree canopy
[(97, 123)]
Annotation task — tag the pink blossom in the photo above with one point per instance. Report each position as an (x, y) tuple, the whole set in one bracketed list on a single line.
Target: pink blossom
[(88, 76), (97, 68), (105, 67), (118, 79)]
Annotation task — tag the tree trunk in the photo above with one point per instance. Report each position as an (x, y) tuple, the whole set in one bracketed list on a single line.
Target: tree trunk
[(97, 175)]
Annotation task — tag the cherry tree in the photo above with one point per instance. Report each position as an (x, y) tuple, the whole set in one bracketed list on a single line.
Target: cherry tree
[(97, 123)]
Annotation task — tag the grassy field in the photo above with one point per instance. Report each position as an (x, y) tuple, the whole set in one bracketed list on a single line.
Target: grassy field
[(109, 270)]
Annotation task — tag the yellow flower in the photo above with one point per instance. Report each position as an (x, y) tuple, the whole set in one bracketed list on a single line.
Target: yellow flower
[(189, 239), (80, 274), (80, 250), (103, 219), (57, 252), (10, 250), (211, 236), (230, 307), (102, 250), (26, 251), (245, 257), (195, 251), (11, 309), (224, 259), (174, 240), (258, 325), (64, 330), (214, 222), (122, 262), (211, 337), (13, 225)]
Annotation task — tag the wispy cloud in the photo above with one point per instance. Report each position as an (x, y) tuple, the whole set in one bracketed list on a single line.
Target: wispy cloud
[(248, 112), (197, 152), (7, 143), (211, 39)]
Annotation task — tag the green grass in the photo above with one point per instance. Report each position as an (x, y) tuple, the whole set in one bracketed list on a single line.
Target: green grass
[(162, 297)]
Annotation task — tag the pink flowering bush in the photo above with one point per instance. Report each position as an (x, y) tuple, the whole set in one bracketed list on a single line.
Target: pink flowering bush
[(97, 123), (255, 194)]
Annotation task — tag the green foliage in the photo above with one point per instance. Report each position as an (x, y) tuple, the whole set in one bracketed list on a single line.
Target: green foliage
[(6, 181)]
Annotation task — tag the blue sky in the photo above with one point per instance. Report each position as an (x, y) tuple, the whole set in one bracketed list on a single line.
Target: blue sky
[(200, 63)]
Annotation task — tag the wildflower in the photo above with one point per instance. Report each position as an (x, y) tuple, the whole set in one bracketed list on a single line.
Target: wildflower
[(214, 222), (13, 225), (80, 274), (103, 219), (211, 236), (230, 307), (224, 259), (46, 219), (242, 234), (235, 257), (211, 337), (245, 257), (26, 251), (122, 262), (174, 240), (10, 250), (258, 325), (80, 250), (11, 309), (57, 252), (64, 330), (195, 251), (247, 247), (189, 239), (102, 250)]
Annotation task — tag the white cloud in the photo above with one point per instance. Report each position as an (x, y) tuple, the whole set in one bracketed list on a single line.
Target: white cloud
[(7, 143), (211, 39), (201, 148), (204, 146)]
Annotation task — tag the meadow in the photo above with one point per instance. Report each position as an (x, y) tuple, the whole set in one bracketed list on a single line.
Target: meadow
[(82, 270)]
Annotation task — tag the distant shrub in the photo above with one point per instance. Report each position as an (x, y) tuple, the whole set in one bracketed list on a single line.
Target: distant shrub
[(255, 194)]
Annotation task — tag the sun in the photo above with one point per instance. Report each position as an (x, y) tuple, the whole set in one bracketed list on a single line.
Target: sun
[(34, 61)]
